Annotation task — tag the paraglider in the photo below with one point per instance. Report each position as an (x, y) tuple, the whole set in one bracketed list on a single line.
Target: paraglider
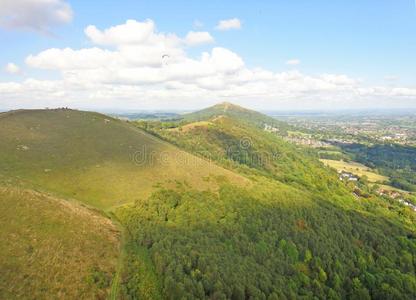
[(165, 59)]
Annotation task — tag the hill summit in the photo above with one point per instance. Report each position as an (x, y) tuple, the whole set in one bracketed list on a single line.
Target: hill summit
[(225, 106)]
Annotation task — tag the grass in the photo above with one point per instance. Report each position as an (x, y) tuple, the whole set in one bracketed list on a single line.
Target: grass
[(356, 169), (95, 159), (192, 126), (54, 248)]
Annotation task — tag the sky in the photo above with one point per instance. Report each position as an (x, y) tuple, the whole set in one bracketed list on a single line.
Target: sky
[(181, 55)]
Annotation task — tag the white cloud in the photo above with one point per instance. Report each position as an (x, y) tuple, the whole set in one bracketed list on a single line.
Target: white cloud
[(223, 60), (138, 43), (338, 79), (132, 65), (69, 59), (131, 32), (293, 62), (12, 68), (194, 38), (36, 15), (228, 24)]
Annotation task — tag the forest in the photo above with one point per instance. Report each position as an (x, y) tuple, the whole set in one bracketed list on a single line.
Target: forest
[(270, 242), (296, 233)]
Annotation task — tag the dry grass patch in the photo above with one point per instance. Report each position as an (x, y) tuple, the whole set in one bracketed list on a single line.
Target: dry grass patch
[(54, 249)]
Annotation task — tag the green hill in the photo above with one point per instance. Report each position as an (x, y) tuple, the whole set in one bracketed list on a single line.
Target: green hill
[(297, 233), (246, 148), (94, 158), (52, 248), (237, 112)]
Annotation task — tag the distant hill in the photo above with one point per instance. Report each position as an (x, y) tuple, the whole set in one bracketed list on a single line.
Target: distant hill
[(234, 111), (52, 248), (94, 158)]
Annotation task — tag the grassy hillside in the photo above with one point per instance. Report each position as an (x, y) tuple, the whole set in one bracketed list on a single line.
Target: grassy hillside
[(52, 248), (94, 158)]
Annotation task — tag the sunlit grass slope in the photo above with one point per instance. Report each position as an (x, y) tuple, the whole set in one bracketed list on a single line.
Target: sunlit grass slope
[(93, 158), (53, 249)]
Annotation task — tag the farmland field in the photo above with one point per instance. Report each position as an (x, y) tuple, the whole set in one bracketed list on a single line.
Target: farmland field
[(356, 169)]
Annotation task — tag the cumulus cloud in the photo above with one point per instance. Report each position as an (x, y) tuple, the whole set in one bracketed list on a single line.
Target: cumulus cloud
[(36, 15), (12, 68), (198, 38), (133, 65), (131, 32), (293, 62), (68, 59), (229, 24)]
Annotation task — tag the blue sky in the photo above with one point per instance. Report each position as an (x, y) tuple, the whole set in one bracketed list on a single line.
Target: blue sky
[(373, 42)]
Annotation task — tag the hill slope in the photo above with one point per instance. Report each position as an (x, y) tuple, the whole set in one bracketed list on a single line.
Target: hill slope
[(297, 233), (94, 158), (246, 148), (52, 248)]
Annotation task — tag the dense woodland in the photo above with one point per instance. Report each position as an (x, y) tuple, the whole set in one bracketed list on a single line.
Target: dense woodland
[(296, 232), (240, 244)]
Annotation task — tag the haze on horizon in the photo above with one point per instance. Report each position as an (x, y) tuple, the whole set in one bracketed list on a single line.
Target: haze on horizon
[(140, 55)]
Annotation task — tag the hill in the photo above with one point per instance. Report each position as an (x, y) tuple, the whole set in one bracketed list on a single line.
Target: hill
[(246, 148), (297, 233), (294, 232), (94, 158), (237, 112), (53, 248)]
